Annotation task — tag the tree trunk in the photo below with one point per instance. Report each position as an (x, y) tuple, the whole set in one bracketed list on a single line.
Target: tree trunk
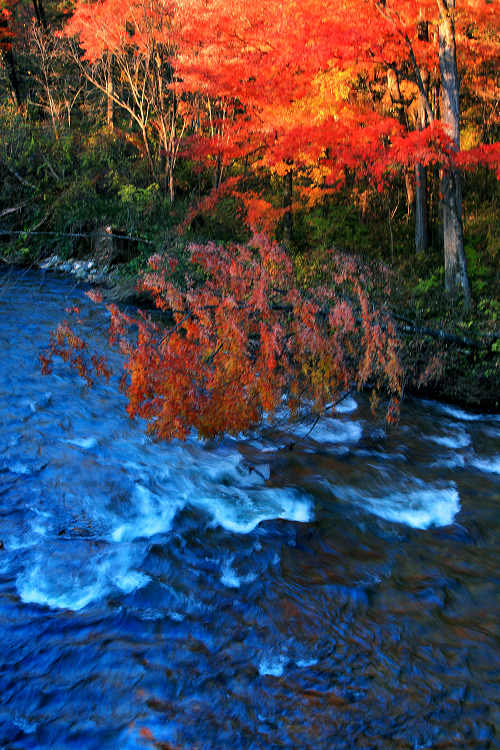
[(421, 216), (421, 225), (171, 184), (287, 204), (109, 97), (40, 14), (451, 186), (410, 193), (10, 65), (218, 171), (397, 100)]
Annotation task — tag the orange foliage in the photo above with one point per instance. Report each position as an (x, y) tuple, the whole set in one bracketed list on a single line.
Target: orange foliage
[(298, 85), (7, 8), (72, 349), (245, 340)]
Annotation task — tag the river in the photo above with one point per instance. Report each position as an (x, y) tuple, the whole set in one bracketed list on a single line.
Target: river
[(341, 595)]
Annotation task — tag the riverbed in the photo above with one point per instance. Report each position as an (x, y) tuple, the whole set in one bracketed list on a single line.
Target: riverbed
[(341, 595)]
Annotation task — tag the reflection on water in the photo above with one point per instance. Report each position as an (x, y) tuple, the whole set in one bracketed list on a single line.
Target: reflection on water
[(238, 595)]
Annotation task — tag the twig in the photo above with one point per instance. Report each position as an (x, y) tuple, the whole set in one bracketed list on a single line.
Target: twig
[(51, 169), (175, 328), (28, 232), (18, 176), (327, 407), (13, 210), (42, 221), (212, 356), (410, 327)]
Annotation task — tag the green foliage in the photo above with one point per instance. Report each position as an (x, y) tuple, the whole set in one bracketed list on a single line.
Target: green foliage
[(138, 199), (430, 285), (72, 185), (224, 224), (490, 308), (333, 224)]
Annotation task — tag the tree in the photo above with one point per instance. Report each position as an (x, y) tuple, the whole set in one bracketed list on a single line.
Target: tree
[(451, 185), (245, 341), (6, 36), (134, 41), (294, 117)]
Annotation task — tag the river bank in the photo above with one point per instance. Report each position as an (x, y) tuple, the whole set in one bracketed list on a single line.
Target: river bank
[(463, 370)]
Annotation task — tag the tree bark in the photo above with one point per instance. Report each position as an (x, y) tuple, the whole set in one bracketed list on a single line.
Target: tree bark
[(40, 14), (10, 65), (421, 223), (451, 185), (171, 185), (421, 215), (109, 97), (399, 103), (410, 193), (287, 204)]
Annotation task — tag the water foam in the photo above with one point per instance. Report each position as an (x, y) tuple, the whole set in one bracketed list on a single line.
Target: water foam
[(420, 509), (240, 511), (348, 405), (330, 430), (149, 485), (85, 442), (490, 465), (272, 666), (152, 515), (74, 577), (304, 663), (466, 416), (36, 589), (453, 462), (454, 439), (231, 579), (418, 505), (20, 466)]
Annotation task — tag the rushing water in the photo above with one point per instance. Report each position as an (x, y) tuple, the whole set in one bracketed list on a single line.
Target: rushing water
[(340, 595)]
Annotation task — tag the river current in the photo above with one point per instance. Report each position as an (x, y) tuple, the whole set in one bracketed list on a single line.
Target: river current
[(340, 595)]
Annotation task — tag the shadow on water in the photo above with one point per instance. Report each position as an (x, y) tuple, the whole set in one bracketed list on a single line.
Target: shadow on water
[(342, 595)]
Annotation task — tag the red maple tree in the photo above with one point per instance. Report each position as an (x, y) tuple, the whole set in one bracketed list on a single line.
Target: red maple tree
[(245, 341)]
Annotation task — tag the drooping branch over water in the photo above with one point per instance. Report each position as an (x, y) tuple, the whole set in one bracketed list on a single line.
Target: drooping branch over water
[(244, 338)]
